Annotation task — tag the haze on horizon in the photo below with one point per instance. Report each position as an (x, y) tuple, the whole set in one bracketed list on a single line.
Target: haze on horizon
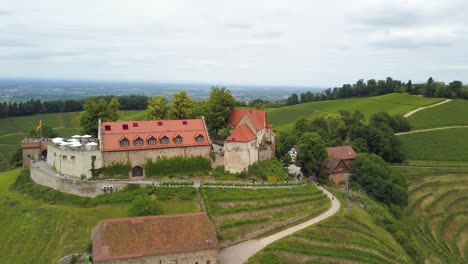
[(303, 43)]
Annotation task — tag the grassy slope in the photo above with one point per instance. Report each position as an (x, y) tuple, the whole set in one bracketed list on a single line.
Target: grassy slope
[(36, 232), (440, 147), (238, 213), (284, 117), (448, 114), (438, 212), (13, 130), (351, 237)]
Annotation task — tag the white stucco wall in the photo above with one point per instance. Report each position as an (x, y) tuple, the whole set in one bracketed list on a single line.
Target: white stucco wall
[(239, 155), (76, 162)]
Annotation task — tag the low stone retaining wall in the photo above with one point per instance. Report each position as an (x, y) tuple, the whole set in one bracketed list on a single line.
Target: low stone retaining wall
[(71, 185), (86, 188)]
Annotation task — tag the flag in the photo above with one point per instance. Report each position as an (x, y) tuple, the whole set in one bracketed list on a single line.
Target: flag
[(39, 126)]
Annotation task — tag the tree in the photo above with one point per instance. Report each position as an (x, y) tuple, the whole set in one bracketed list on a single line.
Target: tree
[(94, 110), (311, 153), (158, 107), (144, 205), (219, 105), (409, 87), (182, 106), (378, 180), (287, 160), (47, 132), (293, 99), (456, 87)]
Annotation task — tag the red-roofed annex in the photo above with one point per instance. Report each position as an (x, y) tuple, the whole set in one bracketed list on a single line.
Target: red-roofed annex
[(135, 142), (180, 238)]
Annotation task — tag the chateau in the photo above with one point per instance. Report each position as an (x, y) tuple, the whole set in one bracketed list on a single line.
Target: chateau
[(135, 142)]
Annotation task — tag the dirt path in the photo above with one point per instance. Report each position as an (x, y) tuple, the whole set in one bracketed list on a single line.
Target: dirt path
[(429, 129), (239, 253), (410, 113)]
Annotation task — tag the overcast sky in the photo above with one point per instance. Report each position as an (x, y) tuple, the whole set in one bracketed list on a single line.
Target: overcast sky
[(310, 43)]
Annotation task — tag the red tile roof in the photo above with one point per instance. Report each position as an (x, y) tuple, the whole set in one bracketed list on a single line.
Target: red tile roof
[(188, 129), (135, 237), (257, 117), (242, 133), (345, 152)]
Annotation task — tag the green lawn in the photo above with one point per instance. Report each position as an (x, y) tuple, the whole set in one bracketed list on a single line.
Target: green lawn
[(284, 117), (352, 237), (448, 114), (241, 214), (437, 212), (447, 147), (39, 232)]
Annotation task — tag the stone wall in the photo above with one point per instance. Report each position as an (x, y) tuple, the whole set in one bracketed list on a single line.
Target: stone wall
[(32, 149), (70, 185), (266, 152), (239, 155), (73, 162), (139, 157), (200, 257)]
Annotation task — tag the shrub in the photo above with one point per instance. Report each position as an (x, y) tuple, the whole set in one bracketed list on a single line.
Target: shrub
[(144, 205), (165, 166), (118, 170), (187, 193), (266, 168), (220, 174)]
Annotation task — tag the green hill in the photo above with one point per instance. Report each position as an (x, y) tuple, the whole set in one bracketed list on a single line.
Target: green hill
[(13, 130), (35, 231), (395, 103), (347, 237), (438, 147), (438, 212), (448, 114)]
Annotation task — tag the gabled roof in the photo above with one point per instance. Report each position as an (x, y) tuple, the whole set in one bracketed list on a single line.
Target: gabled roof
[(242, 133), (157, 128), (135, 237), (257, 117), (331, 163), (344, 152)]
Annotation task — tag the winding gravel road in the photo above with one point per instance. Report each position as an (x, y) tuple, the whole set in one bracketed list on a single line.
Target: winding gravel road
[(239, 253)]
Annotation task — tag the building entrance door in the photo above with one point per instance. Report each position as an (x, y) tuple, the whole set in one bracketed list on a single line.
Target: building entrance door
[(137, 171)]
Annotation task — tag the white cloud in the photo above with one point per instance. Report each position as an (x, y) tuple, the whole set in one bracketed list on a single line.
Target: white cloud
[(297, 42)]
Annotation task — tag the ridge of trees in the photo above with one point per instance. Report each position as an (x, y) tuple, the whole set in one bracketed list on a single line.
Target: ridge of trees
[(36, 106), (373, 87)]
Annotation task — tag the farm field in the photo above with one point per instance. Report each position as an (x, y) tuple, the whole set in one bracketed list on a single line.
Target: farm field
[(240, 214), (452, 113), (13, 130), (40, 232), (393, 104), (347, 237), (438, 212), (439, 147)]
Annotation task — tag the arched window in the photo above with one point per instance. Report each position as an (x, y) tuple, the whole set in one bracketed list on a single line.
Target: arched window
[(124, 142), (138, 142), (164, 140), (151, 141), (200, 138), (178, 140)]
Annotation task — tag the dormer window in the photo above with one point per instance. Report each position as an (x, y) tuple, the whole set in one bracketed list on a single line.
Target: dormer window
[(138, 142), (178, 140), (151, 141), (200, 138), (124, 142), (164, 140)]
